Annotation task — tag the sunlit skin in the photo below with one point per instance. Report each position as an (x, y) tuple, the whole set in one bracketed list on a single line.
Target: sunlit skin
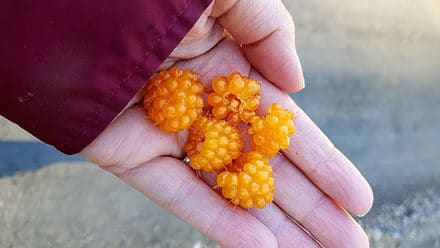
[(316, 185)]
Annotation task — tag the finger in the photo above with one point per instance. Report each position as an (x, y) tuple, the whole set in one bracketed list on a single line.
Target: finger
[(189, 50), (287, 232), (173, 186), (132, 140), (204, 35), (267, 34), (318, 158), (325, 220), (221, 61)]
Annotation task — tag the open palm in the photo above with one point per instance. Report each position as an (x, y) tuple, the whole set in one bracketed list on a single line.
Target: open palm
[(316, 185)]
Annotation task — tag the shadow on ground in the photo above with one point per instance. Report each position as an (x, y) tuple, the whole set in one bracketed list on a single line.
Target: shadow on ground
[(22, 156)]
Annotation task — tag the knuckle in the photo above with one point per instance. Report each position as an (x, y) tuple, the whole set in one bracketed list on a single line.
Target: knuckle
[(210, 231), (311, 213), (180, 193)]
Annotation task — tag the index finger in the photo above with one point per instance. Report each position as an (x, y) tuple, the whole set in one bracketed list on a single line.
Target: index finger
[(267, 34), (315, 155)]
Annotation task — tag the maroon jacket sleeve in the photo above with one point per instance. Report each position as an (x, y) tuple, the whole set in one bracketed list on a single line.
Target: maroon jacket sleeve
[(68, 67)]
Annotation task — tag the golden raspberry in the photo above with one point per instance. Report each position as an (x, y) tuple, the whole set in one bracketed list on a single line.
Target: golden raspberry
[(173, 99), (212, 144), (235, 98), (253, 183), (271, 133)]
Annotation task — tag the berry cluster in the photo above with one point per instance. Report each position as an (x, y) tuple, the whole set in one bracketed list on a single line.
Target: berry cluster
[(235, 98), (173, 101), (212, 144), (252, 184), (271, 132)]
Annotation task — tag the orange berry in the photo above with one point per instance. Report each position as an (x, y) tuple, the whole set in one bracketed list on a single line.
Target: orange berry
[(235, 98), (212, 144), (250, 182), (271, 133), (173, 99)]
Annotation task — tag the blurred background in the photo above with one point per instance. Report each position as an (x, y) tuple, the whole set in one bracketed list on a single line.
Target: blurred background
[(372, 72)]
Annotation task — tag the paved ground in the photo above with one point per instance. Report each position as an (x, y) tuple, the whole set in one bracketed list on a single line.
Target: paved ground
[(372, 73), (372, 84)]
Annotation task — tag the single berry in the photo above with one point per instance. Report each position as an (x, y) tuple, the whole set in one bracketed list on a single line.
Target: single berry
[(212, 144), (173, 99), (252, 183), (235, 98), (271, 133)]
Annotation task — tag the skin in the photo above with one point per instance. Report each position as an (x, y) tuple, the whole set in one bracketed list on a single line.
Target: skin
[(316, 185)]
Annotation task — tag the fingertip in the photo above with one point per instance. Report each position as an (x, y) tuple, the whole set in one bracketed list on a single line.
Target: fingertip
[(297, 75), (359, 196), (279, 64), (291, 75), (367, 203), (295, 86), (294, 80), (299, 86)]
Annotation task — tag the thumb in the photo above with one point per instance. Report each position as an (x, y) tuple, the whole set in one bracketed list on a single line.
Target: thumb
[(267, 34)]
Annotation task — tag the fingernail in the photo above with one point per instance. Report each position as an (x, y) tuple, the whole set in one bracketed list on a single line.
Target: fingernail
[(302, 85), (361, 215), (300, 73)]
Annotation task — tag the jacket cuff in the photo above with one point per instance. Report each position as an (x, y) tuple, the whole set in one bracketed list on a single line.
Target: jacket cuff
[(72, 68)]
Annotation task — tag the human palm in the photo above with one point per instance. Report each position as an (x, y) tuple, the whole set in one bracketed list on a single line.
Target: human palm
[(316, 185)]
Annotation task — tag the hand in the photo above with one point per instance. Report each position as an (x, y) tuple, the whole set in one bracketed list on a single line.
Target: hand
[(315, 184)]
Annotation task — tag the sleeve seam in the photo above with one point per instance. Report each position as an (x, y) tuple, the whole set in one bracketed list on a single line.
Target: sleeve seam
[(93, 120)]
